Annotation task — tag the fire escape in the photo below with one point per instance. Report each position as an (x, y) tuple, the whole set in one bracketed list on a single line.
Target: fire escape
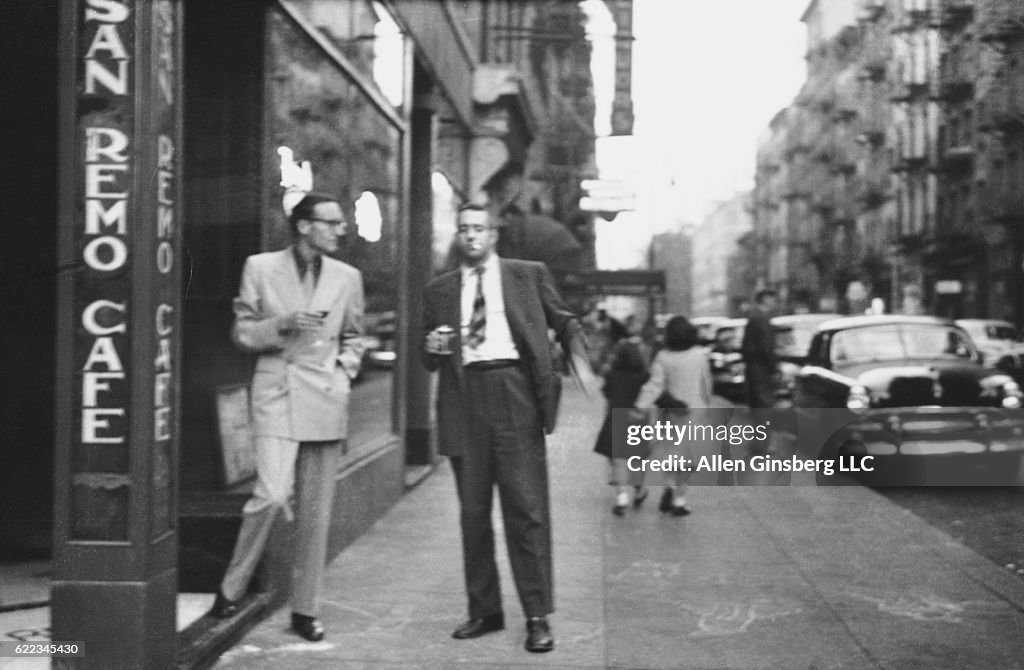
[(1000, 111), (911, 23), (953, 91)]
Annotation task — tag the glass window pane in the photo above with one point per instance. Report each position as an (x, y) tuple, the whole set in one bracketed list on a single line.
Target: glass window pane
[(354, 152)]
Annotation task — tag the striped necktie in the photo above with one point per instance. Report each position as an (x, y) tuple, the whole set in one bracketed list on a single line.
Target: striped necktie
[(478, 320)]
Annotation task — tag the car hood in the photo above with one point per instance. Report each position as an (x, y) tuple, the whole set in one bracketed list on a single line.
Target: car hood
[(943, 383), (996, 348)]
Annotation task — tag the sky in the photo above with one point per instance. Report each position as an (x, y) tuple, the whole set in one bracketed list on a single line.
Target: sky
[(708, 76)]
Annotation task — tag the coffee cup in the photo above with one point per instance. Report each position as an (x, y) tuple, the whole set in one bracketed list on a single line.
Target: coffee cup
[(444, 337)]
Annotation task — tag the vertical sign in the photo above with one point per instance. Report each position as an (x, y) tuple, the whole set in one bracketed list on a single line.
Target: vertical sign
[(102, 232), (124, 291), (622, 103), (164, 245), (118, 357)]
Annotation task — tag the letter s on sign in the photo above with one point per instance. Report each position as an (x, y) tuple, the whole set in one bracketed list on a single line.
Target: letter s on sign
[(109, 11)]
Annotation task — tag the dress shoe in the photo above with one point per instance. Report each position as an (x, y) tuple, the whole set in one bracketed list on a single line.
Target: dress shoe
[(480, 626), (665, 505), (308, 627), (680, 510), (538, 635), (222, 607)]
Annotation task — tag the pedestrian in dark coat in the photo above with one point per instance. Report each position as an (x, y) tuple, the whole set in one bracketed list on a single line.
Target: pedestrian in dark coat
[(622, 383), (758, 347)]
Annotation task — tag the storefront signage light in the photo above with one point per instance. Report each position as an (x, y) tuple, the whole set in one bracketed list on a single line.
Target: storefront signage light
[(607, 195)]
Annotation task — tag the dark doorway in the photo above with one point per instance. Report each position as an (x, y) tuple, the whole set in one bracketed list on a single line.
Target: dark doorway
[(28, 250)]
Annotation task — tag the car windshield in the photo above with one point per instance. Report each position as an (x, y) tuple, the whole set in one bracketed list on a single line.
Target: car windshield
[(1001, 333), (794, 339), (899, 341)]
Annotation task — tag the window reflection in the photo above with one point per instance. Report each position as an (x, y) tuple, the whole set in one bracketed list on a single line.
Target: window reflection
[(368, 217), (353, 149), (446, 206)]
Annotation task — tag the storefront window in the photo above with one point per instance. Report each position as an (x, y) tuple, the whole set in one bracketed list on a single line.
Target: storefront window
[(366, 34), (354, 151)]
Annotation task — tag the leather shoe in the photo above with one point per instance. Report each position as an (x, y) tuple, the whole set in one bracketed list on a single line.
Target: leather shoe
[(538, 635), (665, 504), (308, 627), (480, 626), (222, 607)]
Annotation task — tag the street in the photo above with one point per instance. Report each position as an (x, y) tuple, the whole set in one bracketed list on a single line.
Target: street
[(988, 520), (756, 577)]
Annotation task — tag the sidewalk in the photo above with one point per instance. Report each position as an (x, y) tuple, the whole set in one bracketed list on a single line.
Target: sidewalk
[(796, 577)]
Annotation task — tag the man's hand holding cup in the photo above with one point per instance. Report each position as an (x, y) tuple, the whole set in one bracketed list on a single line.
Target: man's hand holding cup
[(304, 321), (441, 341)]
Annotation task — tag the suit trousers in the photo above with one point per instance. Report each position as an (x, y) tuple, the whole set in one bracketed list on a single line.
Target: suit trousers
[(505, 447), (279, 462)]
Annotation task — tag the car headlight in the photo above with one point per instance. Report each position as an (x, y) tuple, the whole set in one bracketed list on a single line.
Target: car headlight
[(1012, 396), (858, 398)]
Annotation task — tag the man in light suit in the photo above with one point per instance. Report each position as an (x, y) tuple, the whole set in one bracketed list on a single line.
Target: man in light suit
[(496, 398), (301, 312)]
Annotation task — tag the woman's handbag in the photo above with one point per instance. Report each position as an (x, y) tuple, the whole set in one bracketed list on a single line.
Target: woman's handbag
[(668, 401)]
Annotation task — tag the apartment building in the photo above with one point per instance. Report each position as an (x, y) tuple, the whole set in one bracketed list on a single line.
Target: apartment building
[(902, 161)]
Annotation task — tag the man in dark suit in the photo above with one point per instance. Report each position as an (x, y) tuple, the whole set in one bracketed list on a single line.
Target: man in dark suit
[(496, 397), (759, 358)]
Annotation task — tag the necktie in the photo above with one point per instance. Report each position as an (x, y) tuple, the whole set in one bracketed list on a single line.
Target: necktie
[(478, 320), (308, 283)]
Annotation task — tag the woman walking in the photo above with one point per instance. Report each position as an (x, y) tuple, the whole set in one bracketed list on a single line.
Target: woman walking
[(680, 377)]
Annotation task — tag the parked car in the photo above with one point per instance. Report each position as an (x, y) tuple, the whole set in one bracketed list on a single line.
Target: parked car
[(793, 334), (911, 392), (706, 327), (1000, 344), (379, 341), (726, 359)]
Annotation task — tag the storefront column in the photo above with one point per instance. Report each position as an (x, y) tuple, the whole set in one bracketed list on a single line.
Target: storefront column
[(423, 130), (118, 352)]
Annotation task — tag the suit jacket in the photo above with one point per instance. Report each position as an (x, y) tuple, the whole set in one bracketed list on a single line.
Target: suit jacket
[(758, 346), (300, 385), (532, 305)]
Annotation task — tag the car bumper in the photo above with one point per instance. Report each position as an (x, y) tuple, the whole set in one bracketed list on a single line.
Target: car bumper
[(934, 446)]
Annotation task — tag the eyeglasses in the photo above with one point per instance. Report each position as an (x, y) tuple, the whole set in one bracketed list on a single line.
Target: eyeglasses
[(331, 223)]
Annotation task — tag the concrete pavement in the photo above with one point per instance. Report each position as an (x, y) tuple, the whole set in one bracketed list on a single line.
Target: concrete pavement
[(794, 577)]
